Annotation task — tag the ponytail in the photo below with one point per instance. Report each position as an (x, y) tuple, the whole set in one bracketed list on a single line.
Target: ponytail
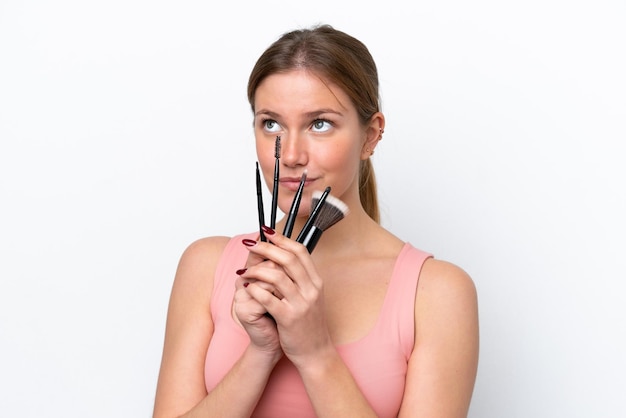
[(368, 191)]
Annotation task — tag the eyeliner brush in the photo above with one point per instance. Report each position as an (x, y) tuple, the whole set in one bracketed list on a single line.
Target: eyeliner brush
[(276, 177), (259, 202), (293, 211), (312, 216)]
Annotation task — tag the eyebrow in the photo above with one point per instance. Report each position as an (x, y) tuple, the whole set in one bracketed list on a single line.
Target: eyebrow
[(309, 115)]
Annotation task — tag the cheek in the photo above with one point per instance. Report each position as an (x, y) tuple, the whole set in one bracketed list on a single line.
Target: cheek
[(261, 146), (342, 157)]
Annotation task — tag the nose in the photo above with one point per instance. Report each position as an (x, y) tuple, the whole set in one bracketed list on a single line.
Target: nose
[(293, 150)]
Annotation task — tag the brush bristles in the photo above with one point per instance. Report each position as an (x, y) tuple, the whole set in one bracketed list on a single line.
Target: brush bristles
[(332, 211), (277, 147)]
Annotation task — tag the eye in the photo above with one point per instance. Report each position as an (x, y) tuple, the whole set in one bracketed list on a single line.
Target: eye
[(321, 125), (271, 125)]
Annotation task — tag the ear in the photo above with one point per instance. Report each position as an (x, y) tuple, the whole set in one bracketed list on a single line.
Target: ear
[(373, 133)]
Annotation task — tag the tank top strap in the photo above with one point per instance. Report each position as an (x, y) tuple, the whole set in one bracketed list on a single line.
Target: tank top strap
[(398, 311)]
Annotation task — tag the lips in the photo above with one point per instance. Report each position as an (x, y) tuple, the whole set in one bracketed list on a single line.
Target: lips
[(292, 183)]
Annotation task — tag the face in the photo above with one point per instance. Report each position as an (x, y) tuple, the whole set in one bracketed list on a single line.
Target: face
[(320, 133)]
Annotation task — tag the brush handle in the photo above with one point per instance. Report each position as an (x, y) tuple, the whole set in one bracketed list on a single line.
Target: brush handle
[(311, 238), (313, 216), (259, 203), (275, 195), (293, 211), (275, 188)]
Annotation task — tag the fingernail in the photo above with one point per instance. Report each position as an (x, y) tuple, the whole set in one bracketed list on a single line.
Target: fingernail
[(248, 242), (268, 230), (240, 272), (246, 284)]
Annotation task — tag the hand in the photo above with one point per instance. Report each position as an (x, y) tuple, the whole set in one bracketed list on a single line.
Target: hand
[(253, 317), (285, 283)]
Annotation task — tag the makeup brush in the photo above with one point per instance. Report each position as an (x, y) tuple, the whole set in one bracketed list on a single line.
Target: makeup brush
[(276, 177), (259, 202), (314, 211), (330, 211), (295, 205)]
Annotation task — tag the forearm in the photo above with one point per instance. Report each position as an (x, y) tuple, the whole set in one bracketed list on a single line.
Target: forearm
[(240, 390), (332, 388)]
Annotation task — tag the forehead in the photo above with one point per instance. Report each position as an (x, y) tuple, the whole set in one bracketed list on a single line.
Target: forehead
[(300, 89)]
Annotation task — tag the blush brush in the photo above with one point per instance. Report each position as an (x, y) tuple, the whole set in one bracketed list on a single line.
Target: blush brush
[(326, 211), (315, 208)]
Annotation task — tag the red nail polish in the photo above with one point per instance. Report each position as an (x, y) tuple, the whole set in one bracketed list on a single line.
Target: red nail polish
[(268, 230), (240, 272), (248, 242), (246, 284)]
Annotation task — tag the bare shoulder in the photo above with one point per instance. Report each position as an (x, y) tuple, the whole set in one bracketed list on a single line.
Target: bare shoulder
[(198, 262), (205, 250), (446, 295), (440, 278), (193, 284), (189, 328), (443, 365)]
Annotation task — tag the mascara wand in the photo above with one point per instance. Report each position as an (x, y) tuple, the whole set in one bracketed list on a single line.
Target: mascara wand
[(276, 177)]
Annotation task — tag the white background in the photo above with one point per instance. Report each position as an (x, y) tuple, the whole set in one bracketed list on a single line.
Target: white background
[(125, 134)]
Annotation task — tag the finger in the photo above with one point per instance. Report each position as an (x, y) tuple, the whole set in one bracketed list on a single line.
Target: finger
[(271, 278), (264, 298), (292, 256), (253, 258), (239, 283), (247, 309)]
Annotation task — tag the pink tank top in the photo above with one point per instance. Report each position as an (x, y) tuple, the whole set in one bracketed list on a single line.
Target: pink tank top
[(378, 361)]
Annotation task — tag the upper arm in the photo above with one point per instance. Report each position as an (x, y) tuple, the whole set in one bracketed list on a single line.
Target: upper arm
[(188, 330), (442, 367)]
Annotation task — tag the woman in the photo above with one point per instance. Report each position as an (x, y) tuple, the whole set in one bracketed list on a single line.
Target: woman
[(366, 325)]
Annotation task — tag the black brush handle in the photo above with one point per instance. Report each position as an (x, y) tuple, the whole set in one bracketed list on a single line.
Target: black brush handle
[(313, 216), (311, 238), (259, 203), (275, 192), (293, 211)]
